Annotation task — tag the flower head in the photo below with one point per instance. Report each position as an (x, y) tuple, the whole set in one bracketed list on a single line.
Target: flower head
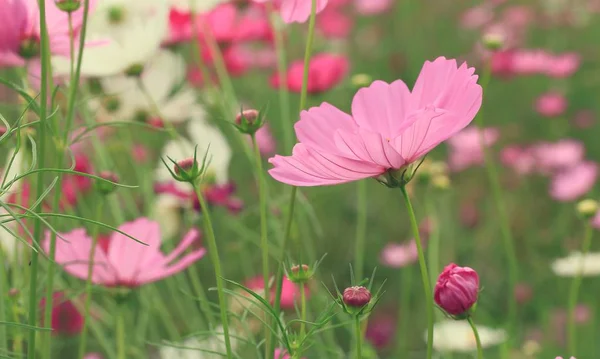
[(390, 127), (324, 72), (126, 263), (356, 296), (66, 319), (296, 10), (457, 289)]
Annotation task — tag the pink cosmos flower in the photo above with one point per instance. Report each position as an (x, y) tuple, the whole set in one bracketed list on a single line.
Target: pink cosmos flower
[(324, 72), (66, 319), (398, 255), (596, 221), (477, 16), (265, 141), (126, 263), (551, 104), (457, 289), (20, 29), (372, 7), (281, 354), (465, 147), (521, 160), (334, 24), (390, 127), (290, 291), (572, 183), (296, 10), (380, 330), (555, 156)]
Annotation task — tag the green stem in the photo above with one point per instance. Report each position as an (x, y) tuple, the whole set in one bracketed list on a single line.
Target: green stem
[(214, 254), (262, 193), (433, 245), (307, 53), (503, 220), (302, 311), (403, 312), (88, 283), (574, 292), (424, 274), (361, 229), (46, 80), (359, 337), (477, 339), (120, 333), (3, 298), (284, 97)]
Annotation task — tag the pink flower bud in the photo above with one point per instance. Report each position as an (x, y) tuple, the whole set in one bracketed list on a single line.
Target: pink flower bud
[(185, 165), (457, 289), (356, 296), (248, 115)]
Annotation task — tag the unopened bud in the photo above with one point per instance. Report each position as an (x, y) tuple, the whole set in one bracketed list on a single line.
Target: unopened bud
[(249, 121), (184, 166), (68, 5), (361, 80), (105, 187), (493, 42), (356, 296), (187, 170), (587, 208), (440, 182), (13, 292), (457, 290), (300, 273)]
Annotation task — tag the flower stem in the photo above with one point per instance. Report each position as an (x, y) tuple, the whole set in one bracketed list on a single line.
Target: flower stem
[(214, 254), (3, 298), (361, 229), (477, 339), (284, 97), (359, 337), (307, 53), (424, 273), (120, 332), (88, 283), (302, 311), (43, 113), (75, 72), (574, 292), (403, 312), (505, 230)]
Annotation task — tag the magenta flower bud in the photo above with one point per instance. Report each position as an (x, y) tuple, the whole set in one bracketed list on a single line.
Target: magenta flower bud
[(249, 116), (457, 289), (356, 296)]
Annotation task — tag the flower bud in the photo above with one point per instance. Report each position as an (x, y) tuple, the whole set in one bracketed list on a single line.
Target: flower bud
[(356, 296), (300, 273), (68, 5), (13, 292), (105, 187), (185, 166), (361, 80), (493, 42), (249, 121), (440, 182), (587, 208), (456, 290)]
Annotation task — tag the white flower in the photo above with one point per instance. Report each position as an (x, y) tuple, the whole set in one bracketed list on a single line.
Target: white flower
[(164, 73), (570, 266), (166, 210), (214, 344), (132, 31), (8, 243), (457, 336), (207, 138), (198, 6)]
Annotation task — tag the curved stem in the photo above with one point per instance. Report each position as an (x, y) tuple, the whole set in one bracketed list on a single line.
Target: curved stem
[(361, 229), (424, 274), (88, 283), (503, 220), (358, 334), (574, 292), (214, 255), (477, 339)]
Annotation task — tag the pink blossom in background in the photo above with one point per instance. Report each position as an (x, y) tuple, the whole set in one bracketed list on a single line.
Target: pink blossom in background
[(20, 29), (74, 186), (93, 356), (325, 72), (584, 119), (476, 16), (520, 159), (220, 21), (282, 354), (502, 63), (564, 65), (381, 330), (555, 156), (551, 104), (518, 16), (126, 263), (372, 7), (469, 214), (523, 293), (575, 182), (290, 291), (265, 141), (296, 10), (596, 221), (465, 147), (66, 319), (390, 127), (215, 194), (334, 24), (398, 255)]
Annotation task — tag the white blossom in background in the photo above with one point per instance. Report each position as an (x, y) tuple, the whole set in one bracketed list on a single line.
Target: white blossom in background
[(214, 344), (570, 266), (457, 336), (132, 31), (162, 74), (8, 243), (166, 210), (198, 6)]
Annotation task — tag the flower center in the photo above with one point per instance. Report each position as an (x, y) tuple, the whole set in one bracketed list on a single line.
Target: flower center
[(116, 15)]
